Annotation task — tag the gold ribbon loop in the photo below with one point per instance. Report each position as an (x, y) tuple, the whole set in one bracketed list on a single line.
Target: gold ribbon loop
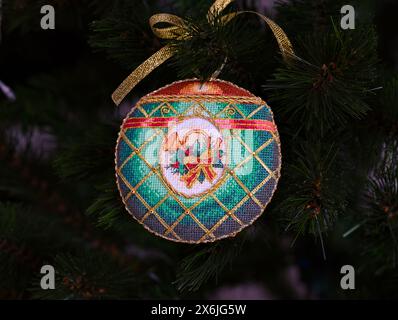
[(175, 29), (217, 7)]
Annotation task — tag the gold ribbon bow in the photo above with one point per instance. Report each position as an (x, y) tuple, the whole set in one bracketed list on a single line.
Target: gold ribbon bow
[(193, 175), (176, 30)]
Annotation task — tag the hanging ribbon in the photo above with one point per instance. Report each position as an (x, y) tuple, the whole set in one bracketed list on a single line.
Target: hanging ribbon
[(175, 29)]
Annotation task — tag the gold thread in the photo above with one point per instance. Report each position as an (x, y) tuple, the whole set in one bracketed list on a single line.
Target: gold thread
[(139, 184), (154, 208), (136, 150), (171, 193), (147, 205), (255, 111), (254, 154), (229, 213)]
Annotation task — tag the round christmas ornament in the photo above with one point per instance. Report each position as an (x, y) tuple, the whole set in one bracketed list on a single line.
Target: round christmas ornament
[(197, 162)]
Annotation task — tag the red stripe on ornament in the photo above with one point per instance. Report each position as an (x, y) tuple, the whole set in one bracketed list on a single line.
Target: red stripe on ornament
[(245, 124), (148, 122), (239, 124)]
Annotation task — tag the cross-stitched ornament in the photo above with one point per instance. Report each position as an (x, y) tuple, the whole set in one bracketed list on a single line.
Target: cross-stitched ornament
[(197, 162)]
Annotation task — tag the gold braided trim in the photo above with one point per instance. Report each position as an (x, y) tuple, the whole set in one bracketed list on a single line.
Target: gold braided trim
[(210, 98)]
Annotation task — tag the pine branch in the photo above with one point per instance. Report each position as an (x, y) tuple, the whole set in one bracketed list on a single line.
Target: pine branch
[(212, 47), (309, 16), (23, 247), (91, 159), (328, 85), (91, 276), (314, 194), (108, 208), (206, 263), (387, 110), (380, 224), (125, 34), (52, 204)]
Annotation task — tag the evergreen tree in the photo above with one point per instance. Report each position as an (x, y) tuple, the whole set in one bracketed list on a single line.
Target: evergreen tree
[(335, 103)]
